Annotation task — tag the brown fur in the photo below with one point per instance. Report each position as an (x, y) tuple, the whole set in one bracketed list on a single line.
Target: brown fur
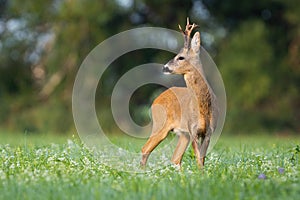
[(190, 111)]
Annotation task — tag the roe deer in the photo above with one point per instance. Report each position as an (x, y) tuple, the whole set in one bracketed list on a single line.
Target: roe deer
[(191, 112)]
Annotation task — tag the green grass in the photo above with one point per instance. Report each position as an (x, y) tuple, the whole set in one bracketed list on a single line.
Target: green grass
[(48, 167)]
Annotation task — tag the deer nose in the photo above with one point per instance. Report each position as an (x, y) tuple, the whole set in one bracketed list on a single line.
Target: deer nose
[(166, 69)]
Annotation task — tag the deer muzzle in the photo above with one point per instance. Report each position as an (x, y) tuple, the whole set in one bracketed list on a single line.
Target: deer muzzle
[(166, 69)]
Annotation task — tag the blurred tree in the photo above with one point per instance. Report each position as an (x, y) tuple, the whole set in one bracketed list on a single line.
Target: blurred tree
[(56, 37), (257, 47), (24, 28), (259, 58)]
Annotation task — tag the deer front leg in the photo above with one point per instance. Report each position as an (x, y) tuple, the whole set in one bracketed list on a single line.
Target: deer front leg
[(196, 144), (183, 141), (204, 145), (198, 138)]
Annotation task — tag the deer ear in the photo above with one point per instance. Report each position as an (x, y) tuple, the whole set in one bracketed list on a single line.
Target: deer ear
[(195, 44)]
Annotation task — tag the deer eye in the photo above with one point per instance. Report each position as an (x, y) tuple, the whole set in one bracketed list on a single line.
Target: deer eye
[(180, 58)]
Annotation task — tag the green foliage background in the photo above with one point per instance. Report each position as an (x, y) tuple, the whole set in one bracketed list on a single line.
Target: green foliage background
[(255, 45)]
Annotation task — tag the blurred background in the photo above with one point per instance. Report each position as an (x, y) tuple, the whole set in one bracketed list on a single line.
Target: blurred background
[(256, 46)]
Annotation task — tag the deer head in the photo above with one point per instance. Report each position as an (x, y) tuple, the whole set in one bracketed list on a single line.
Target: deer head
[(188, 56)]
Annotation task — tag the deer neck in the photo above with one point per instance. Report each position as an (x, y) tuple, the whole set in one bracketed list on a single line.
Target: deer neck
[(197, 84)]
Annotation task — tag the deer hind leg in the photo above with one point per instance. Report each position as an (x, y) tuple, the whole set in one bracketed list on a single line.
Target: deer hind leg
[(183, 141), (160, 130), (152, 142)]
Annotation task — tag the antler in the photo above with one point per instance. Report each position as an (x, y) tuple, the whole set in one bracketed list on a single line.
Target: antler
[(187, 33)]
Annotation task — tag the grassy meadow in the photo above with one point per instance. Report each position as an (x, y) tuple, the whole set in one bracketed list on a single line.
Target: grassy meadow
[(239, 167)]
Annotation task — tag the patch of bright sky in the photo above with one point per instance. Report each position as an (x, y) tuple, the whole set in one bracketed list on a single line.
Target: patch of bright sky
[(200, 11), (42, 41), (125, 3), (17, 28), (18, 31), (15, 24), (208, 38)]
